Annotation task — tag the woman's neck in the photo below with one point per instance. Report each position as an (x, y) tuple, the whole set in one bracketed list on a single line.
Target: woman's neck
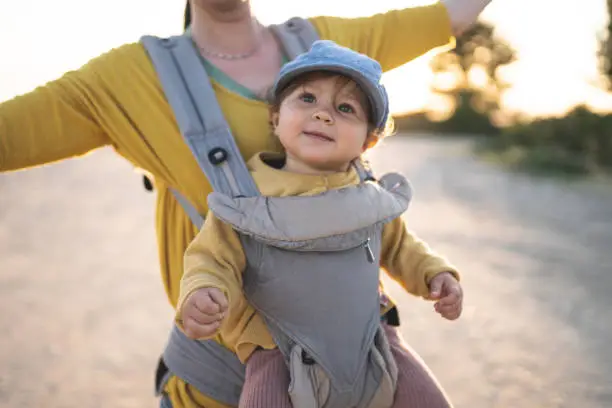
[(229, 31)]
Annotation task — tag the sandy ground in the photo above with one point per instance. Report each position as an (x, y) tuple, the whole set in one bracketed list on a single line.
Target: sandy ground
[(83, 315)]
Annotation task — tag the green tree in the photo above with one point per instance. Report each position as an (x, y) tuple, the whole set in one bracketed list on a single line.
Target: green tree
[(605, 50)]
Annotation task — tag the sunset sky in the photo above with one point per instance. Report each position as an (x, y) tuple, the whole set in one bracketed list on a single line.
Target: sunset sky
[(555, 40)]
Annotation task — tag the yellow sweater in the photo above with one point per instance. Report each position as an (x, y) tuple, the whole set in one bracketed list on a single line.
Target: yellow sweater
[(216, 258), (116, 99)]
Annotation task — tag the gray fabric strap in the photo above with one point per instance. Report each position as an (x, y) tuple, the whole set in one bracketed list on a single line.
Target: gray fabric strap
[(207, 365), (363, 170), (195, 217), (198, 114), (296, 35)]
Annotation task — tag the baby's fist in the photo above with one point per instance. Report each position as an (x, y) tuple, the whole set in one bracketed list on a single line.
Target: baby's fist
[(449, 295), (203, 312)]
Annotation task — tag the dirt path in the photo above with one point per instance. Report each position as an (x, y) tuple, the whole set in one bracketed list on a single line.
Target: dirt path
[(83, 313)]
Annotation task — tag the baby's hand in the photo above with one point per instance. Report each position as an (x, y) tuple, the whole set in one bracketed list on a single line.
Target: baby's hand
[(447, 290), (203, 312)]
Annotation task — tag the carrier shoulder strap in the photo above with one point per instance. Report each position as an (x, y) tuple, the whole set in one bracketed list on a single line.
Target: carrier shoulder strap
[(296, 36)]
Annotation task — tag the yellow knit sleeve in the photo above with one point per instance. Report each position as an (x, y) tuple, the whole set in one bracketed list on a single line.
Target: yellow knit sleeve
[(214, 259), (50, 123), (409, 260), (392, 38)]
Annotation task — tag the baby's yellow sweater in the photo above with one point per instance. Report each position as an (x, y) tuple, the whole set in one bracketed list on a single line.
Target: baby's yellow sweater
[(216, 258)]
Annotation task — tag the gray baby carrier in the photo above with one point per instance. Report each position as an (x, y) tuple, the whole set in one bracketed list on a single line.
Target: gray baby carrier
[(312, 262)]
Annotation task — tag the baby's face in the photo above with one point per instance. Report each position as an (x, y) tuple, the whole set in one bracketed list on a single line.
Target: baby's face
[(323, 123)]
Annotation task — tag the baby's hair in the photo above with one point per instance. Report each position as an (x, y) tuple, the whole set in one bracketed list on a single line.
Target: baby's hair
[(374, 134)]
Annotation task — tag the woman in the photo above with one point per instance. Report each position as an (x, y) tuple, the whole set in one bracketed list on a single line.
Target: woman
[(116, 100)]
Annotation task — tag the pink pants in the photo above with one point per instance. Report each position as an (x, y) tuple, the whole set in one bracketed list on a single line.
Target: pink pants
[(267, 379)]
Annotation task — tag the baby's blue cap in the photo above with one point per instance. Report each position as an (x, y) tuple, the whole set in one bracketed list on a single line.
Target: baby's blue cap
[(325, 55)]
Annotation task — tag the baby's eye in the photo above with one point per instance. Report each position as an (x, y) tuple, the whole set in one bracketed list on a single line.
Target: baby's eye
[(346, 108), (307, 97)]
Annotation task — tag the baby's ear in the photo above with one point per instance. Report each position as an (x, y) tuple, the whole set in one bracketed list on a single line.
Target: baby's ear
[(274, 119)]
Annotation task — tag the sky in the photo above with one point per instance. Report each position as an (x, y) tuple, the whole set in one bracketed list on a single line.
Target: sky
[(556, 42)]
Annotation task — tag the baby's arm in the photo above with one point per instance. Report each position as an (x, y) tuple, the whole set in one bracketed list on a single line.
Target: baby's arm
[(211, 286), (211, 292), (410, 261)]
